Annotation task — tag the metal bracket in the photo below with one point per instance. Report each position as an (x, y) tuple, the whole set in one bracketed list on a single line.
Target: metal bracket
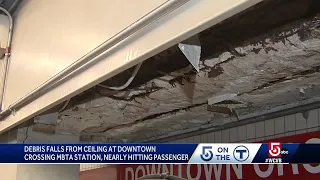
[(191, 48), (13, 111)]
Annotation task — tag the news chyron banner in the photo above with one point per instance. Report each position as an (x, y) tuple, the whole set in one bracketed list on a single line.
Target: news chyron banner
[(160, 153), (256, 153)]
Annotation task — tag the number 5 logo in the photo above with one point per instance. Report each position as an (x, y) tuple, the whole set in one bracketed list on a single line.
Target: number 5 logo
[(274, 149), (207, 154)]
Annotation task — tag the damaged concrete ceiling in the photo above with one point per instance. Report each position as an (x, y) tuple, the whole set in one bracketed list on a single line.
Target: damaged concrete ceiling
[(265, 57)]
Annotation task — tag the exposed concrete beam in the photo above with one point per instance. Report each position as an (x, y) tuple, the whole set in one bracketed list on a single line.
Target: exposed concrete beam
[(182, 120), (275, 68), (270, 72)]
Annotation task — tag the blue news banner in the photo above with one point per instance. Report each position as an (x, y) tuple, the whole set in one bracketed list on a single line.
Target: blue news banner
[(160, 153)]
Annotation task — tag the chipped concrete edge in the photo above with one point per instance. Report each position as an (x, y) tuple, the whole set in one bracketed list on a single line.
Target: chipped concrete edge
[(278, 111)]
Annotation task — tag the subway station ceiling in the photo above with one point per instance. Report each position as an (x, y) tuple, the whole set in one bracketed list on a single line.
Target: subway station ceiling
[(258, 61), (54, 55), (265, 58)]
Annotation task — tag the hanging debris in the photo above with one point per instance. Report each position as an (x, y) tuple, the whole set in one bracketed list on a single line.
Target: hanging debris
[(191, 48)]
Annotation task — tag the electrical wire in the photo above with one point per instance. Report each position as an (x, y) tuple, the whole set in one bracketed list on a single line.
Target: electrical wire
[(164, 9), (6, 58), (133, 75), (125, 85), (64, 105), (129, 81)]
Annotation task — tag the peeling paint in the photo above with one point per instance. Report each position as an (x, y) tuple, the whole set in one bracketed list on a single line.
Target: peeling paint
[(267, 71)]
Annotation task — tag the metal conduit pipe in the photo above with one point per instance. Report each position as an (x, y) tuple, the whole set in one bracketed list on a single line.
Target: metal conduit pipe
[(7, 55), (116, 88), (149, 18), (125, 85)]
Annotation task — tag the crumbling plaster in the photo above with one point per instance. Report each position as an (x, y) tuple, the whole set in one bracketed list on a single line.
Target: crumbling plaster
[(272, 69)]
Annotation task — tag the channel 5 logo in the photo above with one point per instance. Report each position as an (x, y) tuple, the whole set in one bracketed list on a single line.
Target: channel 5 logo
[(207, 153), (275, 149)]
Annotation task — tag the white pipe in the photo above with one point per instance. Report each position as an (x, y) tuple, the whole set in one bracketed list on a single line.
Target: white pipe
[(163, 9), (6, 57), (117, 88), (125, 85), (64, 105)]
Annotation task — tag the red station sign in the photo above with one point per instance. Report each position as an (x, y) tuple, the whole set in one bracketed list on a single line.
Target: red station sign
[(229, 172)]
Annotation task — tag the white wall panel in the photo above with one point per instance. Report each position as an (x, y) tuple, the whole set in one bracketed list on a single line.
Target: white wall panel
[(313, 129), (251, 131), (225, 135), (301, 131), (263, 130), (217, 137), (269, 127), (47, 38), (289, 124), (259, 131), (301, 122), (279, 125), (47, 33), (234, 134), (197, 138), (313, 118), (204, 138), (86, 167), (242, 133)]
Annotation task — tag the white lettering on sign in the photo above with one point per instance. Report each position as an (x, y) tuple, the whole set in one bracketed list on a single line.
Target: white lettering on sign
[(197, 177), (215, 171), (237, 170), (127, 171), (211, 171), (140, 168), (280, 170), (263, 174), (154, 169)]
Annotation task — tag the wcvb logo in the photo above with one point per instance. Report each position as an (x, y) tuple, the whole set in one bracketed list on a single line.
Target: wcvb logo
[(274, 149)]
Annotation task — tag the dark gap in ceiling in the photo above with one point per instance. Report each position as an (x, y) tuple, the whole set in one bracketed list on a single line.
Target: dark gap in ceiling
[(232, 32), (239, 29), (10, 5)]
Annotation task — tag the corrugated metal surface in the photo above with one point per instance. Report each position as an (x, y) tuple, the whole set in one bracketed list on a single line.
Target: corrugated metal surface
[(269, 129), (50, 35), (259, 131), (108, 173)]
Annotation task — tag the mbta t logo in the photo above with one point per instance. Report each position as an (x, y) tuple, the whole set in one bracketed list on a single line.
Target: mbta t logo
[(274, 149)]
